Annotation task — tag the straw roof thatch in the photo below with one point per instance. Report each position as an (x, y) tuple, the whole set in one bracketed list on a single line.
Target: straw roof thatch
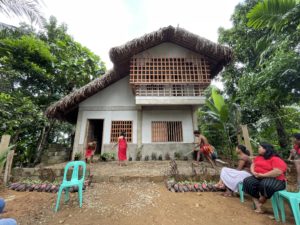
[(217, 55)]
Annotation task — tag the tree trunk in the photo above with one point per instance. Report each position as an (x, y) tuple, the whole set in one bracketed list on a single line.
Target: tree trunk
[(282, 136), (42, 141)]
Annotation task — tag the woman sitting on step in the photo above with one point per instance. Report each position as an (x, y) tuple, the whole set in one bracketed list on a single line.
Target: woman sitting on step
[(230, 178)]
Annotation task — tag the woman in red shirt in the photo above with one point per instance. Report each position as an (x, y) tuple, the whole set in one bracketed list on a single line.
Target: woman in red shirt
[(267, 176)]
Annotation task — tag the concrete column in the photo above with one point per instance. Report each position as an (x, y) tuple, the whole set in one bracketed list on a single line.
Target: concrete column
[(77, 135), (195, 117), (139, 127), (139, 130)]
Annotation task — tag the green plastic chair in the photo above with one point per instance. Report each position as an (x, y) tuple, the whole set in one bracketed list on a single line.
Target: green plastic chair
[(274, 200), (241, 192), (294, 199), (75, 181)]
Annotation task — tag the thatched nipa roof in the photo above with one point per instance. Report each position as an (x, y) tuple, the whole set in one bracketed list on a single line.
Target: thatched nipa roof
[(217, 55)]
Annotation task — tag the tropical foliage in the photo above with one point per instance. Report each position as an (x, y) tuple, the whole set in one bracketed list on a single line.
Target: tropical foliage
[(28, 8), (264, 78), (37, 69)]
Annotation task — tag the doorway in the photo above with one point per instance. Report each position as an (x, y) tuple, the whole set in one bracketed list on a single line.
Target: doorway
[(95, 133)]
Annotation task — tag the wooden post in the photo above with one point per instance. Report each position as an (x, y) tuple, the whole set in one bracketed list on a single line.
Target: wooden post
[(246, 138), (9, 161), (3, 146)]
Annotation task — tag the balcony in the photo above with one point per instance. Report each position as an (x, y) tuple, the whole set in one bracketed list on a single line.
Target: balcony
[(184, 94)]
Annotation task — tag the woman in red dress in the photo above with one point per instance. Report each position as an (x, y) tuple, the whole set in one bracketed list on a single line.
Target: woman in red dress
[(122, 149)]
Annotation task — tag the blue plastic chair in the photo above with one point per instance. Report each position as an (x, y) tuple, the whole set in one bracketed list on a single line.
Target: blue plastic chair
[(241, 192), (294, 200), (75, 181)]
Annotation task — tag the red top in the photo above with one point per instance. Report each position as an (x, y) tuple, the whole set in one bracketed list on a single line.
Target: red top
[(122, 143), (263, 166), (297, 149)]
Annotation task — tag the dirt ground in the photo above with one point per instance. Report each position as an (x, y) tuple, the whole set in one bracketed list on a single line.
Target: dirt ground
[(132, 203)]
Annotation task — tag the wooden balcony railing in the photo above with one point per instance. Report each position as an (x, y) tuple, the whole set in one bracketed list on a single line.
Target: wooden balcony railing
[(169, 90)]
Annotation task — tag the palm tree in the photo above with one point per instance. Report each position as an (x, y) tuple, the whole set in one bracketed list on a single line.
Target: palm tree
[(275, 14), (19, 8)]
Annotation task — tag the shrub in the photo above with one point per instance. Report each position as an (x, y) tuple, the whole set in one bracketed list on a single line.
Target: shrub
[(108, 156), (146, 158), (177, 155), (160, 157), (78, 156), (153, 156), (167, 156)]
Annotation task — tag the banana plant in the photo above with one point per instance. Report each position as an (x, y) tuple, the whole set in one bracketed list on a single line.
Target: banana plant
[(223, 116)]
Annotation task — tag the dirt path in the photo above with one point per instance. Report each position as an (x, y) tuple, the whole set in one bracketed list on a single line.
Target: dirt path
[(134, 203)]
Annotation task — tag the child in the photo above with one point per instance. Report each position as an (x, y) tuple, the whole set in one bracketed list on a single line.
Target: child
[(295, 153), (90, 151)]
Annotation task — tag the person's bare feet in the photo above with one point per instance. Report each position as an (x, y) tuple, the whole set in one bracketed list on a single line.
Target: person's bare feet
[(258, 206), (227, 193), (262, 199)]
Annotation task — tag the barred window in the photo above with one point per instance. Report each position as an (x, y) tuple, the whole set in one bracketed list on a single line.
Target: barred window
[(167, 131), (118, 126)]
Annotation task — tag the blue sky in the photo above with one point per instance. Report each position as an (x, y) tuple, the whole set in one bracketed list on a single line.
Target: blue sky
[(100, 25)]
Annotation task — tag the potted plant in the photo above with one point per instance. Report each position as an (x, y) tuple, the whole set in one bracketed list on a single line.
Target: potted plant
[(78, 156)]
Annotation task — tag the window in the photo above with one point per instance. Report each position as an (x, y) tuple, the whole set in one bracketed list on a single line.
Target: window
[(167, 131), (117, 126)]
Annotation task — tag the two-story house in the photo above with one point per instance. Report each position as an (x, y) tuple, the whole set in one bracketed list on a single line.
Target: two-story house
[(152, 93)]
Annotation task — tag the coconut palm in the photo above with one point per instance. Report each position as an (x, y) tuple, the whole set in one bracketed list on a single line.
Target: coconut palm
[(19, 8), (275, 14)]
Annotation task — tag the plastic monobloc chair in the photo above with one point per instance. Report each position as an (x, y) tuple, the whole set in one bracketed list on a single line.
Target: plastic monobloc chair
[(75, 181), (241, 192), (274, 200), (294, 200)]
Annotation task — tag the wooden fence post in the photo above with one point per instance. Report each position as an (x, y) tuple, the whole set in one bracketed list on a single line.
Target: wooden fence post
[(247, 139), (3, 146), (9, 161)]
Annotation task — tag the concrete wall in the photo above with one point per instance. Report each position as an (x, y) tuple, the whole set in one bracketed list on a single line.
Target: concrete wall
[(184, 115), (167, 50), (115, 102), (117, 94)]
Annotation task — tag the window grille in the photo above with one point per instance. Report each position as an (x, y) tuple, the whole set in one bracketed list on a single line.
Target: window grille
[(167, 131), (118, 126)]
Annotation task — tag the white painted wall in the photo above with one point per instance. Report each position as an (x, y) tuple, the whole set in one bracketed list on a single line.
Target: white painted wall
[(166, 50), (108, 116), (184, 115), (117, 94)]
